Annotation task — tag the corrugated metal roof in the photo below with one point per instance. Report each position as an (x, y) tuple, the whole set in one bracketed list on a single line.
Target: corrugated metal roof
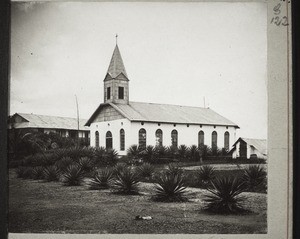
[(50, 122), (259, 144), (116, 66), (165, 113)]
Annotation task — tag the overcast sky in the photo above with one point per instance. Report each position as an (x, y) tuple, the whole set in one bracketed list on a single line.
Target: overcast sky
[(174, 53)]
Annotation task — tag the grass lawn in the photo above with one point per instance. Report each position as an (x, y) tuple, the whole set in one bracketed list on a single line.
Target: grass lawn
[(40, 207)]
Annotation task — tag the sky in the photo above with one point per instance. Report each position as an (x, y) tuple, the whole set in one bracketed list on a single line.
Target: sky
[(174, 53)]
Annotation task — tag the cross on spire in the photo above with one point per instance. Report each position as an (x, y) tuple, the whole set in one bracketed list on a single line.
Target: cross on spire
[(116, 39)]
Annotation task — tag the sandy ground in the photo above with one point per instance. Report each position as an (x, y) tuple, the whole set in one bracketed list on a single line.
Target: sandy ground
[(40, 207)]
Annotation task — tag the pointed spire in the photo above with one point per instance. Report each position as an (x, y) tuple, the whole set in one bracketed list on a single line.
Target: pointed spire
[(116, 65)]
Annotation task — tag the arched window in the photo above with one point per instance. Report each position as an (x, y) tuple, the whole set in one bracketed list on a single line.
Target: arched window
[(122, 139), (214, 140), (97, 139), (200, 138), (158, 137), (142, 138), (109, 142), (226, 140), (174, 138)]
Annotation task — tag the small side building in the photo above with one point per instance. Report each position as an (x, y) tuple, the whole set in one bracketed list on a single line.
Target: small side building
[(248, 148), (64, 126)]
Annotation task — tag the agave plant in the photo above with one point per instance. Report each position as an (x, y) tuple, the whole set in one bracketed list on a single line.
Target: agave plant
[(193, 153), (126, 182), (52, 173), (161, 151), (182, 151), (172, 151), (133, 151), (224, 195), (64, 163), (102, 179), (205, 175), (254, 177), (38, 172), (149, 154), (146, 170), (173, 169), (86, 164), (118, 168), (205, 150), (73, 176), (170, 188), (111, 156)]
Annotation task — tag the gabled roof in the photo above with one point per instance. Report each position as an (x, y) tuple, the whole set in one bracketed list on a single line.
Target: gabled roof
[(49, 122), (259, 144), (165, 113), (116, 66)]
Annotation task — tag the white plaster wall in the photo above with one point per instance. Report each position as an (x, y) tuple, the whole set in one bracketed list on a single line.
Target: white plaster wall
[(114, 127), (186, 135)]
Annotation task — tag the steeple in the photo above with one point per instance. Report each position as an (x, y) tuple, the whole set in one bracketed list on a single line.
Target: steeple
[(116, 82), (116, 66)]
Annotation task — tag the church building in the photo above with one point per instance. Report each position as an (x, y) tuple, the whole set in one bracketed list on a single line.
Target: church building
[(119, 123)]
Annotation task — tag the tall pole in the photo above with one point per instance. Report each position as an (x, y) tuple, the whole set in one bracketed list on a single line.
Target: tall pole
[(77, 120)]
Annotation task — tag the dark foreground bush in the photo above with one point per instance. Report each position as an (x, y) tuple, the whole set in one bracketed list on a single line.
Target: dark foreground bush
[(38, 173), (102, 179), (170, 188), (52, 173), (64, 163), (24, 172), (126, 182), (73, 176), (224, 195), (205, 175), (146, 170), (255, 178)]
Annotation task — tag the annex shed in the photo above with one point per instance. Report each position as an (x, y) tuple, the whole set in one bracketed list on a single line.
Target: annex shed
[(119, 123), (64, 126), (247, 148)]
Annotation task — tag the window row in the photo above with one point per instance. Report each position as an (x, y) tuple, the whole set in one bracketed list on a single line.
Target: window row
[(174, 138), (159, 139), (109, 140)]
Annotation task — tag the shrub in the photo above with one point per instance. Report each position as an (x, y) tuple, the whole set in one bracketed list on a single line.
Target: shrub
[(182, 152), (161, 151), (172, 152), (149, 154), (111, 156), (126, 182), (170, 188), (254, 178), (173, 169), (118, 168), (73, 176), (224, 196), (24, 172), (64, 163), (86, 164), (205, 151), (133, 152), (205, 175), (38, 172), (193, 153), (146, 170), (102, 179), (52, 173)]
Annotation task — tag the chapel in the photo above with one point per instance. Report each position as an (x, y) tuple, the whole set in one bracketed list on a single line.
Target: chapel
[(119, 123)]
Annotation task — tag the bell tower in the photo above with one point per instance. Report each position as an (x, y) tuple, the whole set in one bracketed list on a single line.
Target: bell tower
[(116, 82)]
